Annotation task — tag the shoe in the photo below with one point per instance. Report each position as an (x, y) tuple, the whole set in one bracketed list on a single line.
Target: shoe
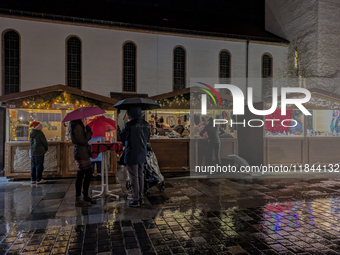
[(81, 203), (33, 182), (141, 201), (90, 200), (41, 181), (133, 203)]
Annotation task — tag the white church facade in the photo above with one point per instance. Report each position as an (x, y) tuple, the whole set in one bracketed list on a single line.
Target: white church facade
[(42, 51)]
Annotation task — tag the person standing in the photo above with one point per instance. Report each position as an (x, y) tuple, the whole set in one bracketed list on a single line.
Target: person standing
[(80, 137), (214, 142), (135, 136), (39, 147), (298, 128)]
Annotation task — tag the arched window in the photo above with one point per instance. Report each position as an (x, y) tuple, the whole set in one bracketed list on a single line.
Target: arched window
[(179, 68), (129, 67), (11, 62), (267, 74), (224, 72), (74, 62)]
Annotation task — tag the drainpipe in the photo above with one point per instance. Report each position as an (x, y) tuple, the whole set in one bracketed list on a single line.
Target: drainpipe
[(247, 64)]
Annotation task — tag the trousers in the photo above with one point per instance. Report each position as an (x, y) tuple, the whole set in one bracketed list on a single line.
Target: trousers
[(213, 149), (99, 166), (87, 176), (136, 173), (37, 167)]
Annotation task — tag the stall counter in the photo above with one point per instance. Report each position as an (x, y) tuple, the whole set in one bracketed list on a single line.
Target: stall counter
[(173, 154), (59, 160)]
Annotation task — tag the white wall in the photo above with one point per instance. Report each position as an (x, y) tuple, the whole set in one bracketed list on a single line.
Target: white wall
[(43, 56)]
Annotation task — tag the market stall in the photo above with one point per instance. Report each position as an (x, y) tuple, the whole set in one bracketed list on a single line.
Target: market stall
[(172, 141), (49, 106), (314, 140)]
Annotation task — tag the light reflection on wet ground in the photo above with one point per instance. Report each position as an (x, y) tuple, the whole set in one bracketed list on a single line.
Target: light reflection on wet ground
[(192, 216)]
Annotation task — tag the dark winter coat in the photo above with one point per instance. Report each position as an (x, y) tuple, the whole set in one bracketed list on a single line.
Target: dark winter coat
[(135, 136), (80, 138), (38, 143), (213, 132)]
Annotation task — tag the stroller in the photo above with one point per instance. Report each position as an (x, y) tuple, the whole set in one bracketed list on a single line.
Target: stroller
[(152, 173)]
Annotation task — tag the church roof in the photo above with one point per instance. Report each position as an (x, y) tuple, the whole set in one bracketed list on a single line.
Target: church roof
[(242, 19)]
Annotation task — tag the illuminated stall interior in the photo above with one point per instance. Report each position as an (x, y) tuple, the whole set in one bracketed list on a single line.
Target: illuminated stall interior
[(49, 106), (180, 117), (314, 140)]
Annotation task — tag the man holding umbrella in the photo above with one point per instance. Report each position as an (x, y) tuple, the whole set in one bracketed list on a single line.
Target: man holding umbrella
[(135, 136)]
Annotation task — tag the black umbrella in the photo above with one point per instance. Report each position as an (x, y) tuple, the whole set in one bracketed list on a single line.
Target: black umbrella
[(144, 103)]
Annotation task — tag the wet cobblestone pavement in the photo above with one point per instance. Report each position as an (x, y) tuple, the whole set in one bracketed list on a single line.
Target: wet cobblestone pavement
[(192, 216)]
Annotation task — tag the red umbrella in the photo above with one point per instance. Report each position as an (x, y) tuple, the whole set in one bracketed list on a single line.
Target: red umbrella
[(83, 113), (100, 125), (110, 121)]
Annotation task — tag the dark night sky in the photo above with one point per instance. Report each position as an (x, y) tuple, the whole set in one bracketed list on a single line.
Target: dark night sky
[(244, 17)]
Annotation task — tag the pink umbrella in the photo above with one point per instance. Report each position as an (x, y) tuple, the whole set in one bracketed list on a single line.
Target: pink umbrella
[(83, 113), (100, 125)]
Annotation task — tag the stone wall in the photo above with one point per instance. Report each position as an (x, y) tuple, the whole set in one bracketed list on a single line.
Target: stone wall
[(312, 25), (296, 21)]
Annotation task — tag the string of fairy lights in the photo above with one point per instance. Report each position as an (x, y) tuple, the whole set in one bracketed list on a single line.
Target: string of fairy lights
[(189, 100), (318, 102), (64, 101)]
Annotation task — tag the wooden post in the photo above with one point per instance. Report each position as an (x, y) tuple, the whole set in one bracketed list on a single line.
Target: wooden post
[(63, 128)]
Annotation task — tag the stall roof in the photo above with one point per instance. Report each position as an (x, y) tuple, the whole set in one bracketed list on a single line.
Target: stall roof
[(121, 96), (321, 99), (186, 91), (56, 88)]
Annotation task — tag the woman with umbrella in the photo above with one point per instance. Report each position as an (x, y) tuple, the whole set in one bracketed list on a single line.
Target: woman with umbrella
[(80, 137)]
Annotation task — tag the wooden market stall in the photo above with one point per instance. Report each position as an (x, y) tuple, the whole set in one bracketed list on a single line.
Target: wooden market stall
[(320, 137), (48, 105), (175, 151)]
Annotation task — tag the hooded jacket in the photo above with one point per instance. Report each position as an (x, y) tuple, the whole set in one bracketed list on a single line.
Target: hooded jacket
[(135, 136), (38, 143), (80, 138)]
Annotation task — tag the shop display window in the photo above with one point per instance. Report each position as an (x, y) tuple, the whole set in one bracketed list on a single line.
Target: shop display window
[(323, 123), (291, 124), (176, 123), (169, 123), (20, 120), (200, 121)]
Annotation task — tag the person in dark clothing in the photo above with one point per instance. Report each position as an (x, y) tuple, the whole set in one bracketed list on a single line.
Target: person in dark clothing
[(298, 129), (214, 142), (39, 147), (82, 152), (135, 136)]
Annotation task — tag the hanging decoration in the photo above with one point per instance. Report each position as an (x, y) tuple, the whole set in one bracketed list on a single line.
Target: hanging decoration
[(316, 102), (190, 99), (62, 101)]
